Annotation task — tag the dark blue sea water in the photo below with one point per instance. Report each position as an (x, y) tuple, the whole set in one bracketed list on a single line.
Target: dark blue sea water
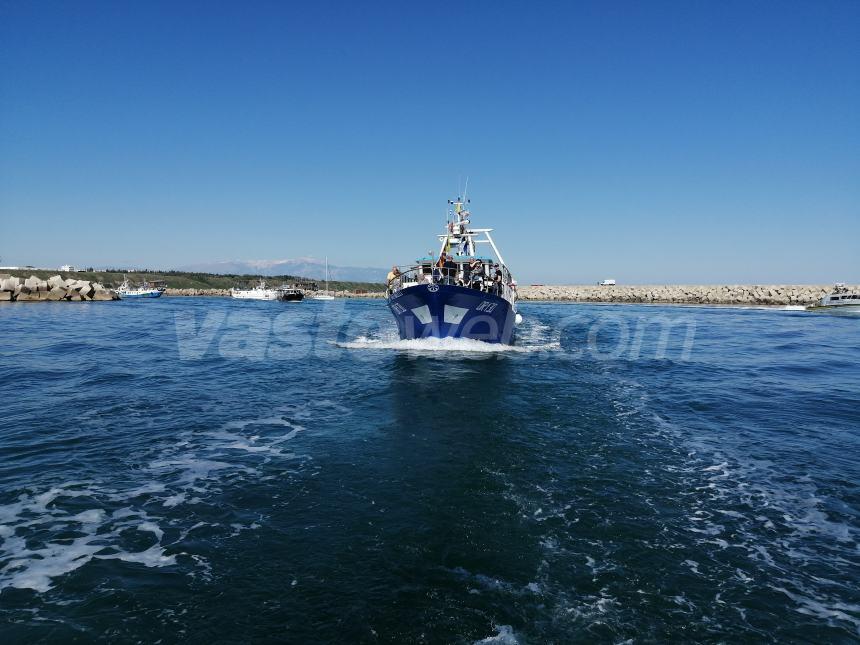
[(208, 470)]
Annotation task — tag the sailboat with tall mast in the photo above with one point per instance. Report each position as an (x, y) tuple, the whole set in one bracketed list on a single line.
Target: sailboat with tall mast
[(325, 295)]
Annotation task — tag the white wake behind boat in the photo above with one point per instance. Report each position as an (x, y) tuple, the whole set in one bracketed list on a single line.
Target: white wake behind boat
[(258, 292)]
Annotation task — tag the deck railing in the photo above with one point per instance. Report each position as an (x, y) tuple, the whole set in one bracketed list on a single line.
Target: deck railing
[(411, 276)]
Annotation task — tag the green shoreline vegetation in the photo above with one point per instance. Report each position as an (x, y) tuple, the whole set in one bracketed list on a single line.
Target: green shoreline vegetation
[(187, 280)]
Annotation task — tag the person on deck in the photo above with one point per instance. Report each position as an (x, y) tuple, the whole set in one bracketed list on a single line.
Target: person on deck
[(393, 274), (467, 274), (472, 267), (477, 271), (438, 268), (497, 282), (450, 270)]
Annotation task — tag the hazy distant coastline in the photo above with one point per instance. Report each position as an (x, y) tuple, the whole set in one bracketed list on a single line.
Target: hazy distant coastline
[(307, 267), (181, 283)]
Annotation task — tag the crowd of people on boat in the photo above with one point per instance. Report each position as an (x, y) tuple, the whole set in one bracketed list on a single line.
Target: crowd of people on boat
[(474, 273)]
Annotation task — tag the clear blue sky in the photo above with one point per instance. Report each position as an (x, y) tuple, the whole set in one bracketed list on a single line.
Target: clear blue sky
[(645, 141)]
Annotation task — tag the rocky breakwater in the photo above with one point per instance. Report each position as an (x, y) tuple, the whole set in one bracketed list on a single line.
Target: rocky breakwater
[(55, 288), (682, 294), (359, 294), (196, 292), (308, 294)]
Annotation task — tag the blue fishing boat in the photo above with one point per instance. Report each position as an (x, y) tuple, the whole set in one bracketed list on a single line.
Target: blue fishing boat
[(145, 290), (459, 294)]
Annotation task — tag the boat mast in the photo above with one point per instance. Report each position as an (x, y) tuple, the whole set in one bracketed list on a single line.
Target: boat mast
[(458, 210)]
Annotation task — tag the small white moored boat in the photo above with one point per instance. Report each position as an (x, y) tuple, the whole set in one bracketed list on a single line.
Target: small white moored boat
[(259, 292)]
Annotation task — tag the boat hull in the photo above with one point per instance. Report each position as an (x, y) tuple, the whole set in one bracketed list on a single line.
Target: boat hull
[(291, 297), (450, 311), (259, 295), (154, 293), (848, 306)]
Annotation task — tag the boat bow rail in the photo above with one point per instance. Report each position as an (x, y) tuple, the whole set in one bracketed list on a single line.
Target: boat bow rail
[(429, 273)]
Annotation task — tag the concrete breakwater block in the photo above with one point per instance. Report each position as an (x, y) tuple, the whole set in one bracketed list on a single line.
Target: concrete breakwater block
[(197, 292), (55, 288)]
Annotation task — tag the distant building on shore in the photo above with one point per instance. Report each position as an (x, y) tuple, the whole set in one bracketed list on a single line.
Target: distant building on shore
[(68, 267)]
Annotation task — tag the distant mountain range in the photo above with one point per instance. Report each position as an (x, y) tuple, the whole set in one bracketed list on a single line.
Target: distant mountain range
[(303, 267)]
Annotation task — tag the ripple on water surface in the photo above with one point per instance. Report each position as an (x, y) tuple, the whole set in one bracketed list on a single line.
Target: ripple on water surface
[(161, 492)]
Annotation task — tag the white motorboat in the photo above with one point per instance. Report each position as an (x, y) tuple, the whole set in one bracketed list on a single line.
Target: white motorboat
[(258, 292), (841, 297)]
